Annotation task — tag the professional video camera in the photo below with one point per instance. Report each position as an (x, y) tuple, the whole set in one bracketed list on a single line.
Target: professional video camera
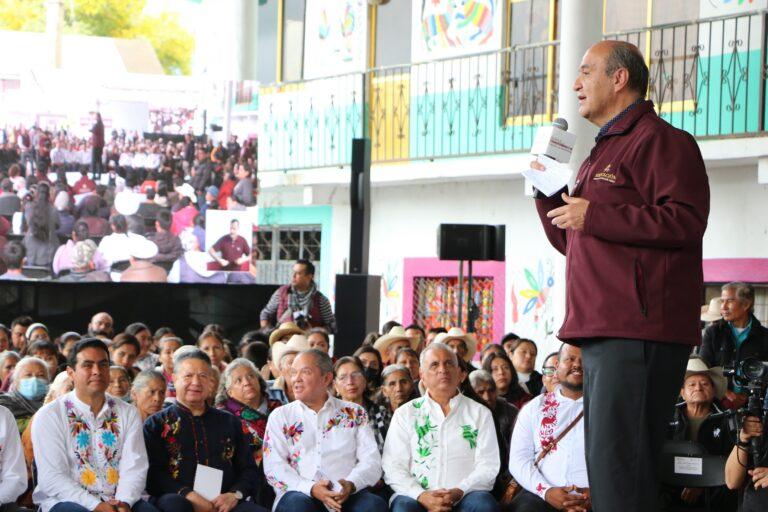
[(752, 375)]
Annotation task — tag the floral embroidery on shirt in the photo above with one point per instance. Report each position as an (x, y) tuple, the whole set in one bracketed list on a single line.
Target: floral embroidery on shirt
[(426, 442), (171, 427), (293, 432), (91, 467), (548, 421), (294, 459), (470, 434), (265, 447), (277, 484), (228, 450), (347, 417)]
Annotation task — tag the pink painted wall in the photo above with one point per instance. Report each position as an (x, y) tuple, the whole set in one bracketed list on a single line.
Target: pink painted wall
[(724, 270), (433, 267)]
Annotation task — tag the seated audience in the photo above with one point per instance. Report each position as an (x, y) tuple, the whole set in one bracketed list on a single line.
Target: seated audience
[(523, 356), (507, 386), (693, 421), (190, 433), (281, 389), (244, 394), (504, 416), (549, 373), (142, 269), (119, 383), (464, 344), (417, 464), (29, 384), (318, 338), (547, 449), (167, 346), (14, 257), (83, 265), (148, 393), (88, 447), (392, 341), (146, 359), (319, 451)]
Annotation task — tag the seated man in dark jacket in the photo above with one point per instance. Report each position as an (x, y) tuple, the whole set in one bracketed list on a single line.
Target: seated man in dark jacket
[(736, 337), (190, 434), (168, 245), (694, 421)]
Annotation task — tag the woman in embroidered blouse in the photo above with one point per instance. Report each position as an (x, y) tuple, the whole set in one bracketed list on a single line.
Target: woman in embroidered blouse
[(244, 394), (500, 367)]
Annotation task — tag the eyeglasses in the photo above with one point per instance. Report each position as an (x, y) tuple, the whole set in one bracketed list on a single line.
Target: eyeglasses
[(548, 371), (349, 376)]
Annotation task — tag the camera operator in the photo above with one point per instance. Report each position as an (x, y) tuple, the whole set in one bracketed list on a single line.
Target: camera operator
[(736, 337), (299, 302), (754, 482)]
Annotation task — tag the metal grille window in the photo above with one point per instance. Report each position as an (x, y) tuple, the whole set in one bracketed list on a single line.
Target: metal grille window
[(278, 248)]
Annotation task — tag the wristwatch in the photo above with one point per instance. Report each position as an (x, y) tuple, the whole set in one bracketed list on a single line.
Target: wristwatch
[(238, 495)]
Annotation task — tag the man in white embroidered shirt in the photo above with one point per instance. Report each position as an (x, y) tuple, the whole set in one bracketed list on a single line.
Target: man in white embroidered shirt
[(441, 451), (320, 452), (13, 470), (552, 424), (89, 448)]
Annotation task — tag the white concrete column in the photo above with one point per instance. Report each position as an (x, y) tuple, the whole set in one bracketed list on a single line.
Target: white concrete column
[(581, 26), (54, 21)]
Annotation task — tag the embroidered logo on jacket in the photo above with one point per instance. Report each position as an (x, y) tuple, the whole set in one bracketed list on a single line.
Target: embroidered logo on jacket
[(606, 175)]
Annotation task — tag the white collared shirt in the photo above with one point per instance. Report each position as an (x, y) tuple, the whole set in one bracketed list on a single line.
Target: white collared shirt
[(86, 459), (302, 446), (426, 450), (13, 469), (540, 421)]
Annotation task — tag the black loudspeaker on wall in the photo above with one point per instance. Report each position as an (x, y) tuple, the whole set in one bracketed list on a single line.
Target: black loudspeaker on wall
[(360, 203), (357, 311), (471, 242)]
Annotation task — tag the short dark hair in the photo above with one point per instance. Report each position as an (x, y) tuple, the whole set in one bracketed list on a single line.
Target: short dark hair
[(24, 321), (150, 193), (418, 328), (251, 336), (626, 55), (368, 349), (520, 341), (192, 354), (256, 352), (510, 336), (82, 345), (234, 221), (322, 331), (126, 339), (406, 350), (162, 331), (308, 266), (389, 325), (347, 360), (437, 330), (135, 328), (43, 345), (119, 223), (164, 219), (13, 254)]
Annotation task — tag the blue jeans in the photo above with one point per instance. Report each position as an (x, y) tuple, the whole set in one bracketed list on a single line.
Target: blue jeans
[(68, 506), (363, 501), (175, 503), (477, 501)]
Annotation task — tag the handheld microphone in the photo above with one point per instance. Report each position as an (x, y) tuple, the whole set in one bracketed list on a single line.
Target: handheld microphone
[(554, 141)]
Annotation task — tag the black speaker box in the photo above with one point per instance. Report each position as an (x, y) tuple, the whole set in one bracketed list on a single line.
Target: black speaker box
[(477, 242), (357, 311)]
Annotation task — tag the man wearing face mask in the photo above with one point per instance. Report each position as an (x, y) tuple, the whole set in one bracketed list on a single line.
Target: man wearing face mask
[(29, 384)]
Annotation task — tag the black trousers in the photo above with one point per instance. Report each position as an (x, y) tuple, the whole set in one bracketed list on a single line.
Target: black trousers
[(97, 166), (630, 389)]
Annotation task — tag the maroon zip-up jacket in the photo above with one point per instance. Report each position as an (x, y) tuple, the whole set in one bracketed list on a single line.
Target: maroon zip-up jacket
[(635, 270)]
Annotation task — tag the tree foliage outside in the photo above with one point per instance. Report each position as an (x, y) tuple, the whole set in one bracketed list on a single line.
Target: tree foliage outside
[(109, 18)]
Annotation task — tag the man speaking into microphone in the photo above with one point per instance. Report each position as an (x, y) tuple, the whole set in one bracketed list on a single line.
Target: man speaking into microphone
[(631, 231)]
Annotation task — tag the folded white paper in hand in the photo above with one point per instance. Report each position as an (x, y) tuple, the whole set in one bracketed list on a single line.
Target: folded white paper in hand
[(548, 182), (208, 481)]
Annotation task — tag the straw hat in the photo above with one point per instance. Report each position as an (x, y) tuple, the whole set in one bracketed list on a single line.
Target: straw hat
[(297, 343), (697, 366), (283, 330), (711, 313), (456, 333), (396, 333)]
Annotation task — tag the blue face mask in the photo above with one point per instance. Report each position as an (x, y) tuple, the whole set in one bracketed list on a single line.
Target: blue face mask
[(33, 388)]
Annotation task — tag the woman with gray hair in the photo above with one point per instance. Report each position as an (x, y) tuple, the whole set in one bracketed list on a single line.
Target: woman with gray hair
[(29, 384), (243, 392), (148, 392)]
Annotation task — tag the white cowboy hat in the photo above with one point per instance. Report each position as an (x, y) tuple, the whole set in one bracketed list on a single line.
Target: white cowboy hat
[(396, 333), (284, 329), (456, 333), (127, 203), (297, 343), (142, 249), (711, 312), (697, 366), (186, 190)]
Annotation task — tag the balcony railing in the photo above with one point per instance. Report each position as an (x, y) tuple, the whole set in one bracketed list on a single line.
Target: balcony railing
[(708, 77)]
